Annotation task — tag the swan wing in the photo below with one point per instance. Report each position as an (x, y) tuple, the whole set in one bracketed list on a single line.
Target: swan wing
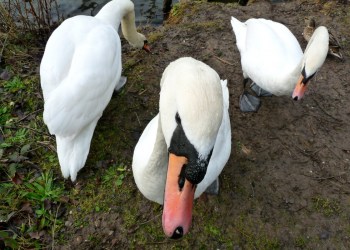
[(79, 71)]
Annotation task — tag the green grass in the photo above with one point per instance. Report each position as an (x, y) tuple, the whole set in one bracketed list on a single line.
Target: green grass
[(31, 197), (326, 206)]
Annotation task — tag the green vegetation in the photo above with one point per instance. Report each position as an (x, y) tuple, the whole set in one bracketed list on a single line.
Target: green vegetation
[(326, 206)]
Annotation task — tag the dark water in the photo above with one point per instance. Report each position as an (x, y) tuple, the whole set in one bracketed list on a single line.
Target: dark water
[(146, 11)]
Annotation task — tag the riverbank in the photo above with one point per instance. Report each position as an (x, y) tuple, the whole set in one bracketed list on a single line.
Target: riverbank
[(286, 185)]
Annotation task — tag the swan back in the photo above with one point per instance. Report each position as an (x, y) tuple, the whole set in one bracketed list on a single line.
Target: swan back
[(193, 90)]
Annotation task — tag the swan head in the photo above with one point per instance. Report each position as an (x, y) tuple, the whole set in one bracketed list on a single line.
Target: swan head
[(139, 41), (314, 56), (191, 111)]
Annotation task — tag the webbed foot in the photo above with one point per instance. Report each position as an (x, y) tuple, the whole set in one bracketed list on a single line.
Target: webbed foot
[(248, 102), (259, 91)]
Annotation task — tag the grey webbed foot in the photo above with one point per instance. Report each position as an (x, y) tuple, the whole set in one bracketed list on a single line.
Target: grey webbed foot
[(213, 188), (259, 91), (248, 102)]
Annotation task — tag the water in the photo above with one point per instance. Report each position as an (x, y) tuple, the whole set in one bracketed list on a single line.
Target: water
[(146, 11)]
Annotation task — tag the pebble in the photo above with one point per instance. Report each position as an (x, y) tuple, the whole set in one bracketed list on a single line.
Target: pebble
[(68, 223), (324, 235), (97, 223), (78, 240)]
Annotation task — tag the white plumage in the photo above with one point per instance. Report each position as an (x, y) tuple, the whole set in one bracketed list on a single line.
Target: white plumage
[(271, 55), (80, 69), (192, 90)]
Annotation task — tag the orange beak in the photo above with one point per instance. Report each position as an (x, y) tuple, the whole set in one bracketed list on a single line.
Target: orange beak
[(146, 47), (178, 203), (299, 89)]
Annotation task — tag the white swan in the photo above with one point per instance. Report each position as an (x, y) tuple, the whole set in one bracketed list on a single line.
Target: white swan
[(272, 58), (80, 69), (185, 147)]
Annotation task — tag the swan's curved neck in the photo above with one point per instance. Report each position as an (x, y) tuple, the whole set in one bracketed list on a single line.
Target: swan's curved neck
[(152, 175), (116, 12), (315, 53)]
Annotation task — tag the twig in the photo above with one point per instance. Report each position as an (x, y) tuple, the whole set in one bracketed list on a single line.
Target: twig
[(32, 129), (3, 47), (328, 177), (223, 61), (142, 223), (32, 113), (143, 91), (324, 111), (53, 229), (48, 145), (333, 152), (138, 118)]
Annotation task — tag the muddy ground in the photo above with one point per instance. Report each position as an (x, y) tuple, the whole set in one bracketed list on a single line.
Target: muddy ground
[(286, 185)]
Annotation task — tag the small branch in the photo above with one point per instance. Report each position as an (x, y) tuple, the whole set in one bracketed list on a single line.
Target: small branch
[(142, 223), (324, 111), (32, 113), (3, 47), (138, 118), (223, 61), (48, 145), (53, 228), (143, 91)]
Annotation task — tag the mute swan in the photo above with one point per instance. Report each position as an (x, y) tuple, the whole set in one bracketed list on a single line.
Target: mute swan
[(272, 58), (334, 46), (80, 69), (185, 147)]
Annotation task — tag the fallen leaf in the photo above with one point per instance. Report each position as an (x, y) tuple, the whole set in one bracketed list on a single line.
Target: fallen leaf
[(5, 75), (246, 150), (34, 235), (27, 207), (17, 179), (47, 204)]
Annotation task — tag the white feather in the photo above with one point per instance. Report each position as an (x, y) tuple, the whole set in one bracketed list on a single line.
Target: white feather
[(80, 69)]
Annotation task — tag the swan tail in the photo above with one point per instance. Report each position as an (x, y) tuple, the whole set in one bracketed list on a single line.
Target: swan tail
[(73, 151), (225, 93), (240, 30)]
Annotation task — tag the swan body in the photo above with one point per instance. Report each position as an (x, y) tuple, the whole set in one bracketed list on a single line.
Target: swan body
[(192, 125), (271, 56), (80, 68), (334, 46)]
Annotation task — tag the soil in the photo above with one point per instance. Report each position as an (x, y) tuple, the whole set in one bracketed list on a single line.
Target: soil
[(286, 184)]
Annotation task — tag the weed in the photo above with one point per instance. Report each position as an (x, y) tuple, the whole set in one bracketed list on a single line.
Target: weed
[(326, 206), (212, 230), (31, 193), (114, 176), (14, 85), (176, 9), (300, 242)]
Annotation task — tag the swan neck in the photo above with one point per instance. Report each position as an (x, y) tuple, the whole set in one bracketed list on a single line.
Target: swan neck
[(129, 27), (114, 12), (154, 172)]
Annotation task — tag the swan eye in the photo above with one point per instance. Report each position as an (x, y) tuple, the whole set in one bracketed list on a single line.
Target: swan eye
[(145, 42), (178, 119)]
